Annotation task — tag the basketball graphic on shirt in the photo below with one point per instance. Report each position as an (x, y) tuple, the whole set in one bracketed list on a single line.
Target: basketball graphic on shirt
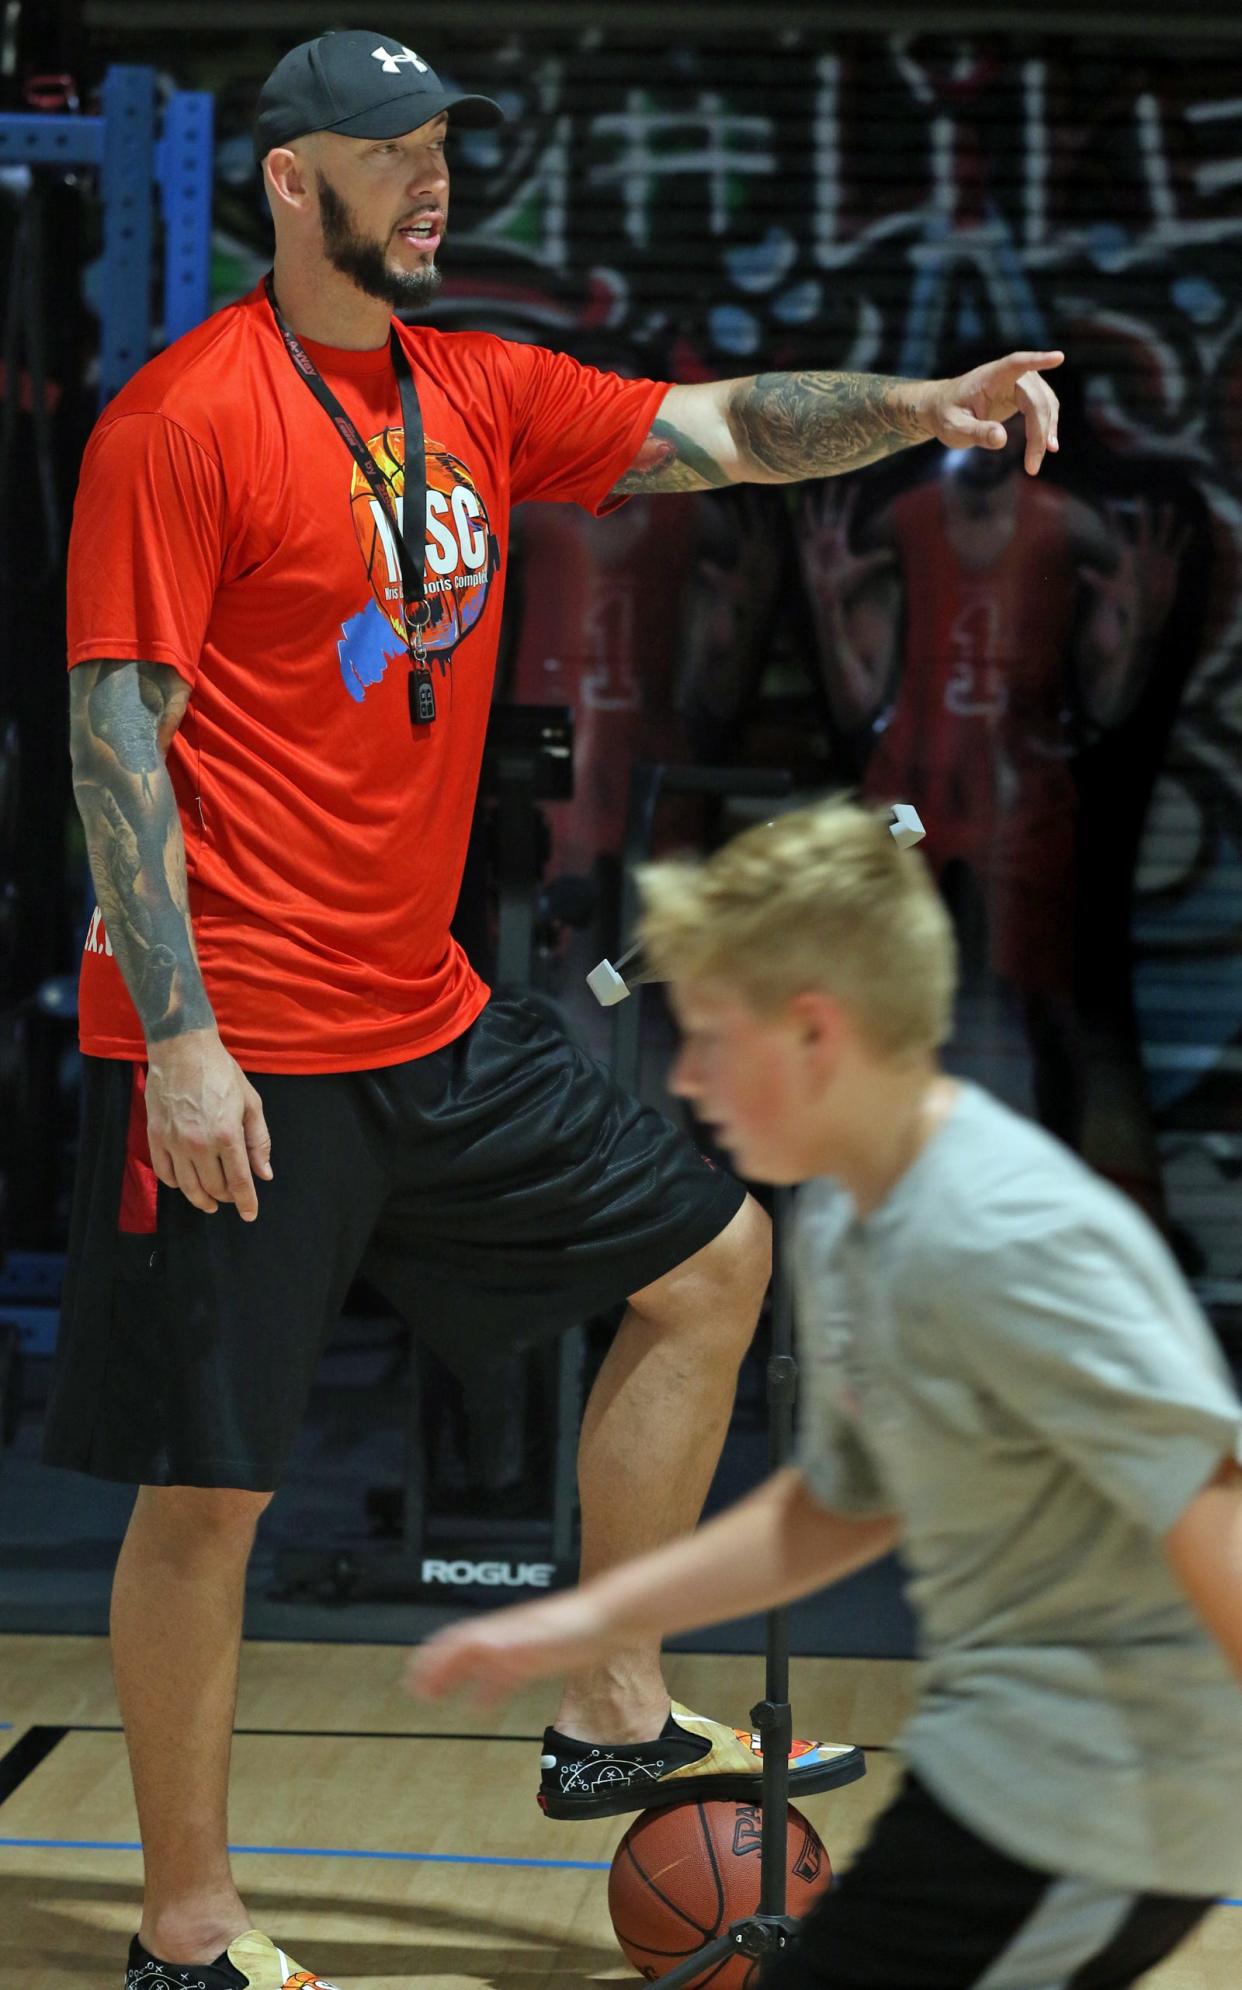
[(388, 449), (461, 552)]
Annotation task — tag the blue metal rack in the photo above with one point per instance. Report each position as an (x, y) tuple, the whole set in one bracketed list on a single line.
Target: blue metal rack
[(135, 153), (134, 158)]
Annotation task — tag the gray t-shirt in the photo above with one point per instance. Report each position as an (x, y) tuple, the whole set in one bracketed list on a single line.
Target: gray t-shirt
[(1004, 1354)]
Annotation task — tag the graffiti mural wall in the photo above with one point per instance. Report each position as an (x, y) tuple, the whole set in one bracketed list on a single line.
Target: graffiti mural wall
[(1053, 671)]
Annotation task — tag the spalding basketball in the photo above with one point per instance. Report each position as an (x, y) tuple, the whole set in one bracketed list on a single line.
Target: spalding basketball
[(683, 1875)]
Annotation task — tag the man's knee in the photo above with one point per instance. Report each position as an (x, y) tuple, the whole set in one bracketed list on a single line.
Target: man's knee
[(723, 1282), (739, 1260), (208, 1519)]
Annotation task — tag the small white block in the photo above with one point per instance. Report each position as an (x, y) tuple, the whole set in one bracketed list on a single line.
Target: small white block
[(905, 827), (606, 985)]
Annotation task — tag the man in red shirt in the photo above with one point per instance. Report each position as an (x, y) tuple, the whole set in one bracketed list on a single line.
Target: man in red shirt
[(282, 638)]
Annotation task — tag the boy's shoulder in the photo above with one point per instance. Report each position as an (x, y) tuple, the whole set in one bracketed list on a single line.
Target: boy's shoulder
[(1011, 1228), (992, 1182), (991, 1167)]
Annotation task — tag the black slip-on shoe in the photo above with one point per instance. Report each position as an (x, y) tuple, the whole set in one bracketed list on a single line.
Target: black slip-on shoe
[(695, 1759), (251, 1962)]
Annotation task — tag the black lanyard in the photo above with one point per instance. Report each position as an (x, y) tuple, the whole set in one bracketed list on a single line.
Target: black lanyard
[(410, 537)]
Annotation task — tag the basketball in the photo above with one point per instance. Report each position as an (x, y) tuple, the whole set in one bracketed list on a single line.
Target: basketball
[(681, 1876)]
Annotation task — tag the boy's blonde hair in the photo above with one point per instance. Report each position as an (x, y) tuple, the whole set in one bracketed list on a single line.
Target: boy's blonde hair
[(820, 898)]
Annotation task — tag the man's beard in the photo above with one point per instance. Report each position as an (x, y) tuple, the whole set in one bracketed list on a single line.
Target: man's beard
[(363, 261)]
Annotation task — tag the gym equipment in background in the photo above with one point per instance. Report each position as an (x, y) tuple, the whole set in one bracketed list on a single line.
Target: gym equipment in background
[(510, 1521), (137, 154), (135, 151)]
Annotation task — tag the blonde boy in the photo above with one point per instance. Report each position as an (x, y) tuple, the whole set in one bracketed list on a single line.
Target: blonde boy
[(1001, 1371)]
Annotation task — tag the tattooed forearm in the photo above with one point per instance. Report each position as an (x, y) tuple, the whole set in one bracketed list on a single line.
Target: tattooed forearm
[(775, 428), (670, 460), (121, 716), (127, 724), (792, 425)]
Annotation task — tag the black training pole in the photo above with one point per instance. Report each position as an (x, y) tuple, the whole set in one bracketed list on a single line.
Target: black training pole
[(773, 1717), (769, 1928)]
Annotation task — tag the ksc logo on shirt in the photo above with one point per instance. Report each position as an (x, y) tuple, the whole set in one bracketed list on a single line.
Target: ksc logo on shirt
[(461, 557)]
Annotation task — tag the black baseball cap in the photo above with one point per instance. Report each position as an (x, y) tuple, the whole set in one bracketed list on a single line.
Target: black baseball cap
[(360, 84)]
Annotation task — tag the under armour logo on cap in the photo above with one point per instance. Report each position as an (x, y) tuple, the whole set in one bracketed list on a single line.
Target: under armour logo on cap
[(392, 63)]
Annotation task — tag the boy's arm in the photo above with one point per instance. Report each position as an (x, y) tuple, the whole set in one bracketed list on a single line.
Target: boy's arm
[(774, 1545), (1204, 1549)]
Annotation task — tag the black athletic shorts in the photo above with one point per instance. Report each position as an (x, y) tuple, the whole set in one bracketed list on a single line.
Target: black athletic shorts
[(495, 1191), (928, 1905)]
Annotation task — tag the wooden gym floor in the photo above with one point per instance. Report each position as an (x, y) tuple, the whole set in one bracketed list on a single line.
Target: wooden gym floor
[(382, 1843)]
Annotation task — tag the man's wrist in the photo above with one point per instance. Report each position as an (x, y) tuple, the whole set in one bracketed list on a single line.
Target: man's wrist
[(182, 1043), (916, 398)]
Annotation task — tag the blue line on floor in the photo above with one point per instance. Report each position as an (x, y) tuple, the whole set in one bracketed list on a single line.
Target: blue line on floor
[(314, 1852), (340, 1852)]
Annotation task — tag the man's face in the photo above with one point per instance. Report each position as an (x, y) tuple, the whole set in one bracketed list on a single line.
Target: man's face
[(753, 1078), (383, 207)]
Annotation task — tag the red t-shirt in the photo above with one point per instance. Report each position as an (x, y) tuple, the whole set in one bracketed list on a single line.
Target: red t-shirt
[(221, 526)]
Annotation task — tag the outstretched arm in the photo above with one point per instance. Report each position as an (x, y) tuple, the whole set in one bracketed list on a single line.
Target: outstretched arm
[(776, 1544), (777, 428)]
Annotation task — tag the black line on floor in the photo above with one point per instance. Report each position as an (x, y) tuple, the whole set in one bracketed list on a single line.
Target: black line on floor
[(348, 1734), (24, 1757), (375, 1734), (324, 1733)]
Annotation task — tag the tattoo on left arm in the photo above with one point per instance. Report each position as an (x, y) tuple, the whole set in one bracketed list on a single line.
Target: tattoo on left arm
[(670, 461), (775, 428), (793, 425)]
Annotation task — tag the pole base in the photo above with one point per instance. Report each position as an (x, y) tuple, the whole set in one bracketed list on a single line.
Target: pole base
[(756, 1935)]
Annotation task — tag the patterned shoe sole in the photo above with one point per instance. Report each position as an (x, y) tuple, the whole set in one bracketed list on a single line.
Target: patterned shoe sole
[(742, 1787)]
